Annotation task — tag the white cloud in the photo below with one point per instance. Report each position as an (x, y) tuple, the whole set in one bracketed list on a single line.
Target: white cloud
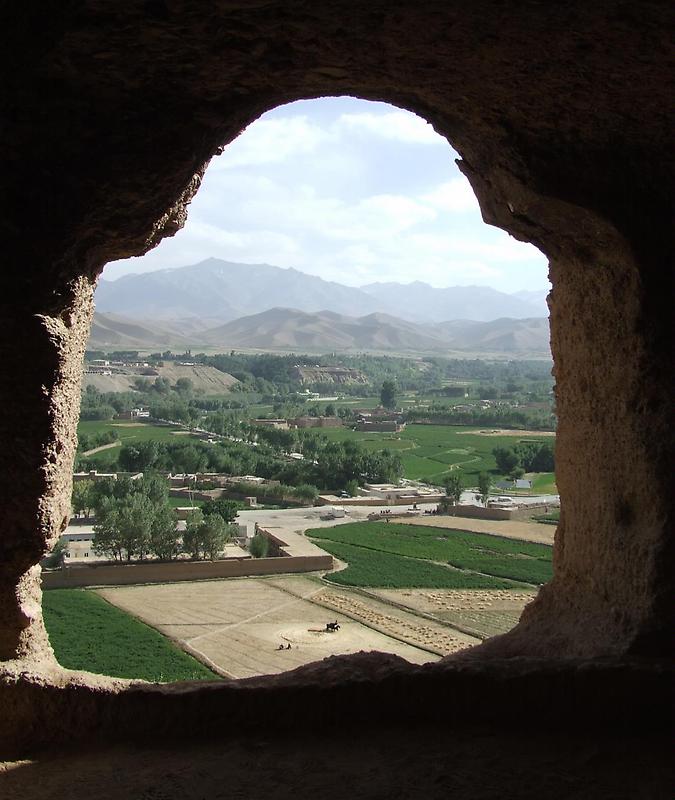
[(401, 126), (315, 193), (453, 196), (269, 141)]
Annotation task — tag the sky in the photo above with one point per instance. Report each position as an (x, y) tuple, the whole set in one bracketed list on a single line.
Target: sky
[(352, 191)]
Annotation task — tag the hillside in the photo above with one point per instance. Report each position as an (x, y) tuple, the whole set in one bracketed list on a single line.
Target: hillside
[(522, 336), (339, 376), (293, 330), (219, 291), (114, 331), (290, 329), (204, 379)]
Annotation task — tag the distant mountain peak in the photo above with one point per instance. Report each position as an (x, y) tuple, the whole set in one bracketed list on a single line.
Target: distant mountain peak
[(217, 289)]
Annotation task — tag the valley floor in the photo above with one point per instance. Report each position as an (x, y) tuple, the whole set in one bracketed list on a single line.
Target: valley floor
[(236, 626)]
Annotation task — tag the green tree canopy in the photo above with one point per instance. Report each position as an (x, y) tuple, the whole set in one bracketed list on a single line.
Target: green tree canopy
[(388, 394), (506, 458), (453, 487), (259, 546), (82, 497), (306, 492), (484, 485), (227, 509)]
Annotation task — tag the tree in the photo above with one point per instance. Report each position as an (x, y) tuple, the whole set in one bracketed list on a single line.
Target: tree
[(206, 535), (161, 386), (306, 492), (259, 546), (506, 458), (133, 526), (352, 488), (330, 410), (227, 509), (107, 540), (189, 459), (184, 386), (191, 535), (154, 488), (453, 488), (484, 485), (134, 520), (164, 541), (388, 394), (140, 457), (214, 534), (82, 498)]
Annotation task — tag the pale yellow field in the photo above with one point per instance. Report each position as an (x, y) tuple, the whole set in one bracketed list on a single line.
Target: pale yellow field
[(237, 625), (479, 612)]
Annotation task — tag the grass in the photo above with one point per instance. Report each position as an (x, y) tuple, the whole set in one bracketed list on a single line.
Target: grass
[(430, 452), (128, 434), (87, 633), (544, 483), (136, 432), (552, 518), (385, 570), (184, 502), (495, 556)]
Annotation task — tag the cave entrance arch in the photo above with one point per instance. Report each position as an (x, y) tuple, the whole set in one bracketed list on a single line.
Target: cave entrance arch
[(397, 189), (118, 146)]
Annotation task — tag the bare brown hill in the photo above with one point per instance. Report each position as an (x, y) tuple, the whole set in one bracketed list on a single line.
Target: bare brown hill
[(204, 379)]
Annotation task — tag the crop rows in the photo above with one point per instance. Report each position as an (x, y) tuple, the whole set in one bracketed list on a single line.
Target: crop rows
[(384, 570), (87, 633), (479, 553)]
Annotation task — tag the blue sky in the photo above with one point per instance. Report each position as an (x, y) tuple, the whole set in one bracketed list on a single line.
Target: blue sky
[(352, 191)]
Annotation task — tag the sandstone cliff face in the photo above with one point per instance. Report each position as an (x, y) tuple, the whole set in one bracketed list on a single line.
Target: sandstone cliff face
[(562, 115), (337, 376)]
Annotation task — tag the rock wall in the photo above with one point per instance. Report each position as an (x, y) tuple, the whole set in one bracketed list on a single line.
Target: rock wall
[(562, 116)]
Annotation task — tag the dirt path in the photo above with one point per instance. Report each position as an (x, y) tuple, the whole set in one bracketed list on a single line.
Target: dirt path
[(510, 529), (101, 448)]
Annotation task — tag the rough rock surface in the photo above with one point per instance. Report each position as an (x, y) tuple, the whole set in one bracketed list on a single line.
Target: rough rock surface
[(562, 115)]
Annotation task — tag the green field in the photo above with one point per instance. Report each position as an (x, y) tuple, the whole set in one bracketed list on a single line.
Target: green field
[(390, 555), (129, 432), (370, 568), (184, 502), (429, 452), (87, 633), (544, 483), (552, 518)]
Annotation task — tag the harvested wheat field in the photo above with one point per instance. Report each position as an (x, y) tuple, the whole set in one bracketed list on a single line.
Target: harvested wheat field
[(478, 612), (236, 626)]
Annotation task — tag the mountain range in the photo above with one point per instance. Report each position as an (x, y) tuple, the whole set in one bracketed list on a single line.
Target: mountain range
[(222, 305), (292, 330), (219, 291)]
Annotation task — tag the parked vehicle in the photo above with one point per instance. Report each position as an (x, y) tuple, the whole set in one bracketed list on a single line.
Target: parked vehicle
[(333, 512)]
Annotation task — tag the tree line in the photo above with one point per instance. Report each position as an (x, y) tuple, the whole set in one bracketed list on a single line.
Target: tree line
[(134, 520), (525, 457), (263, 452)]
